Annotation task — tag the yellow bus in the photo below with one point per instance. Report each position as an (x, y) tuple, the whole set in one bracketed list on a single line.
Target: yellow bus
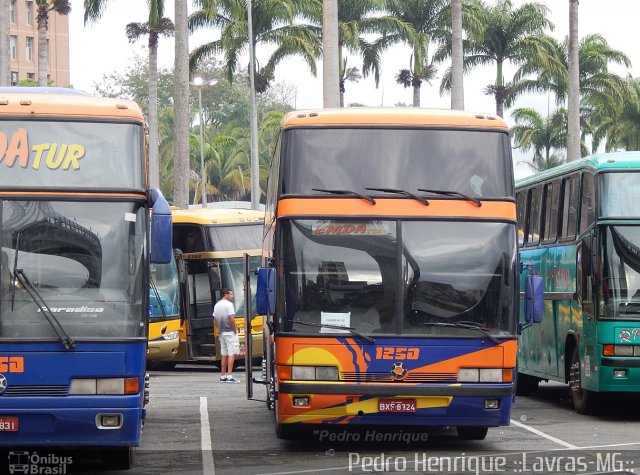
[(213, 242)]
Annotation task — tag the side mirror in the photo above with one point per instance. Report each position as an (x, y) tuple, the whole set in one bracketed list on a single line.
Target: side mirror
[(161, 252), (266, 291), (534, 298)]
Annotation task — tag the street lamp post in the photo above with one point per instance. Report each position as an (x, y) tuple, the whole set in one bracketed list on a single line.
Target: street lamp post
[(199, 83)]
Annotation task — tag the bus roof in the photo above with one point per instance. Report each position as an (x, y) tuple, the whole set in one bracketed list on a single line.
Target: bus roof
[(217, 216), (613, 161), (392, 116), (57, 101)]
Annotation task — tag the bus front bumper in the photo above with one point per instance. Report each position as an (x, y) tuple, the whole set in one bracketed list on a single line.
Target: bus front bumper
[(369, 404), (163, 350)]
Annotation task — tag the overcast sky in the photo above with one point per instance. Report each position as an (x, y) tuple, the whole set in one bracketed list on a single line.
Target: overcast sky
[(102, 48)]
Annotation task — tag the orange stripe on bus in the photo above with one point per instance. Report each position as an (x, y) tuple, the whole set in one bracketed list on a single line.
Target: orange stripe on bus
[(326, 207), (84, 194)]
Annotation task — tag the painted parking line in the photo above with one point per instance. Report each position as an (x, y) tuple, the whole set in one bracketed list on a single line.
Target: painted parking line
[(208, 467), (546, 436)]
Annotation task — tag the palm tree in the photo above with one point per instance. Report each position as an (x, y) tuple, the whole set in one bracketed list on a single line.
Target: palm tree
[(181, 106), (514, 35), (156, 25), (618, 124), (573, 103), (62, 7), (5, 54), (543, 135), (457, 56), (332, 97), (357, 20), (600, 89), (429, 21), (273, 24)]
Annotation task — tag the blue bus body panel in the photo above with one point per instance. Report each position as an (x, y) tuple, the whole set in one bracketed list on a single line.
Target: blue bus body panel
[(38, 377)]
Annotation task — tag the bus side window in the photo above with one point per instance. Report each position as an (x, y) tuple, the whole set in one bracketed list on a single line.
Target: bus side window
[(552, 208), (569, 207), (521, 211), (533, 228), (587, 206), (188, 239)]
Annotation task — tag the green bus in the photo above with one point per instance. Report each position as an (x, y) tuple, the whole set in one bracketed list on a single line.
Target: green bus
[(579, 231)]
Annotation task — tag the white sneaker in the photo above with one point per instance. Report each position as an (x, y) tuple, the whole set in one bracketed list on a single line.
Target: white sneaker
[(224, 379), (231, 379)]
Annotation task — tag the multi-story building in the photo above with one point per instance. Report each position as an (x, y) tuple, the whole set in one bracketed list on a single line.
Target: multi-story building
[(23, 44)]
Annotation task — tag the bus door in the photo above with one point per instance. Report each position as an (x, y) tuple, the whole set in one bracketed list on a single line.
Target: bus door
[(204, 285)]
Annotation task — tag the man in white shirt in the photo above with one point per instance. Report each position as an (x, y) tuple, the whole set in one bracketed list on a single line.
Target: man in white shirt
[(224, 320)]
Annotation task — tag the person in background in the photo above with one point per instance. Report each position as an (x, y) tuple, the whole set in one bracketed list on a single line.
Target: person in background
[(224, 321)]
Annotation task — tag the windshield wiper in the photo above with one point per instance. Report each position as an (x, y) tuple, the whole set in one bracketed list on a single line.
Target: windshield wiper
[(453, 193), (347, 192), (462, 325), (66, 340), (157, 295), (337, 327), (401, 192)]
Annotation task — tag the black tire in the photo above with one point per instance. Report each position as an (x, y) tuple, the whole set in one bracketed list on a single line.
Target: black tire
[(472, 432), (118, 458), (584, 401), (526, 385)]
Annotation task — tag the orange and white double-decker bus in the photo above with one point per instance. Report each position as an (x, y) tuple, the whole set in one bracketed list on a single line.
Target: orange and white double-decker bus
[(389, 271)]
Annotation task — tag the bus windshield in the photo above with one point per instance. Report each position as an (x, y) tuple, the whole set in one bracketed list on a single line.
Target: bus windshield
[(345, 273), (619, 194), (426, 160), (621, 270), (236, 236), (85, 260)]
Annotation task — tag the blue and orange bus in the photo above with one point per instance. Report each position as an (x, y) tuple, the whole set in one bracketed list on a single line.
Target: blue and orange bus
[(389, 273), (579, 223), (75, 248)]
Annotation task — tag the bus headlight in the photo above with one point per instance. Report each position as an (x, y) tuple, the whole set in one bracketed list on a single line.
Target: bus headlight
[(480, 375), (91, 386), (315, 373), (171, 335)]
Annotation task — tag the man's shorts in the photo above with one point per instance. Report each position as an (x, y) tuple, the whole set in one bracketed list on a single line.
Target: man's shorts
[(229, 344)]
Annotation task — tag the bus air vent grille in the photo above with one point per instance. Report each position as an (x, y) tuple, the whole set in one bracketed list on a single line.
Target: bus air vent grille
[(44, 390), (386, 377)]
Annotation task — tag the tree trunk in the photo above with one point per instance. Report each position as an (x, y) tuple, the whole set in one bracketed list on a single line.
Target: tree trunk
[(43, 46), (457, 56), (181, 107), (330, 81), (5, 53), (416, 95), (499, 90), (154, 167), (573, 104)]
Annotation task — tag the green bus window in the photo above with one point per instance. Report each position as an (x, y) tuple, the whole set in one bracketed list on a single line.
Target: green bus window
[(533, 230), (587, 209), (569, 207), (552, 208)]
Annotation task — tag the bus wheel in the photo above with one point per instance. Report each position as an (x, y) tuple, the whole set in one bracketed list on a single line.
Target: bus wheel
[(526, 385), (584, 401), (472, 432), (118, 458)]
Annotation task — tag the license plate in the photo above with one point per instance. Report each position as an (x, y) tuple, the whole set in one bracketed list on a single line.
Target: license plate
[(396, 405), (8, 424)]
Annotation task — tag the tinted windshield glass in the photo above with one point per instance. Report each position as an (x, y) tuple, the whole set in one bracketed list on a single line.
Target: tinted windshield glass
[(621, 270), (71, 154), (236, 237), (345, 273), (470, 162), (86, 260), (620, 194), (164, 290), (458, 273)]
